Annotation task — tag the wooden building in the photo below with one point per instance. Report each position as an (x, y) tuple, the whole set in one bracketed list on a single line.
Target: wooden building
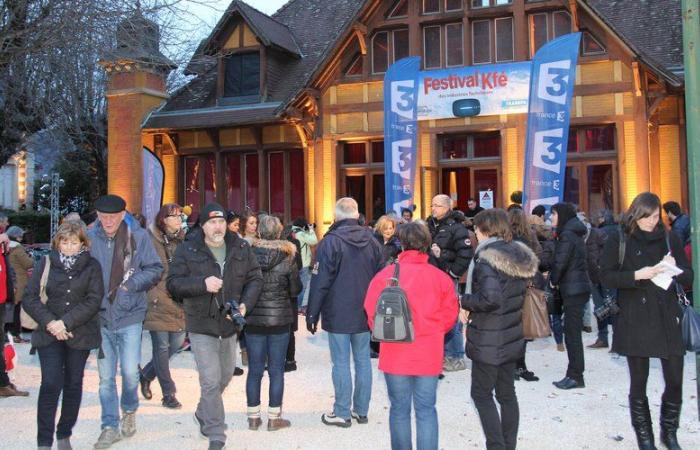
[(285, 112)]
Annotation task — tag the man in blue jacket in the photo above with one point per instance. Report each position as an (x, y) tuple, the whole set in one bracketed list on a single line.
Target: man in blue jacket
[(680, 223), (347, 259), (130, 267)]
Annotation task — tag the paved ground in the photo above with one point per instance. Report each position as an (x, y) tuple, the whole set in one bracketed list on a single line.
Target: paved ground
[(591, 418)]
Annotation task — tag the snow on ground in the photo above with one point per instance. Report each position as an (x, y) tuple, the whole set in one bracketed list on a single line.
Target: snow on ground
[(592, 418)]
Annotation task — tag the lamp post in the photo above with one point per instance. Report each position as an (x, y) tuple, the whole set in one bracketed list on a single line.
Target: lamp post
[(52, 185)]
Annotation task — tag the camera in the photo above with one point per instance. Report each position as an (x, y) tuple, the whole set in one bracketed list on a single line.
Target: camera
[(609, 308), (232, 311)]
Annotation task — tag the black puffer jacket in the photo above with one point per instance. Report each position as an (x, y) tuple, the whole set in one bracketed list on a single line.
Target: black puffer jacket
[(648, 324), (456, 251), (501, 273), (569, 270), (193, 263), (281, 284), (74, 296), (390, 249)]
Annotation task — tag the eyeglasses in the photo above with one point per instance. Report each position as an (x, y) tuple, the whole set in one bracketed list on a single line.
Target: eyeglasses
[(179, 216)]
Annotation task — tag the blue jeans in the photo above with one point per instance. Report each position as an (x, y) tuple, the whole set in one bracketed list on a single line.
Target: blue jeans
[(305, 275), (454, 339), (122, 346), (555, 322), (340, 346), (421, 391), (165, 345), (273, 349)]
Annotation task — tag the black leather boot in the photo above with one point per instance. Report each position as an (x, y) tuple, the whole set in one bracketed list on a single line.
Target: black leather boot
[(641, 422), (670, 414)]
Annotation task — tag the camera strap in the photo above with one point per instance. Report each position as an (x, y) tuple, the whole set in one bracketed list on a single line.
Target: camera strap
[(621, 248)]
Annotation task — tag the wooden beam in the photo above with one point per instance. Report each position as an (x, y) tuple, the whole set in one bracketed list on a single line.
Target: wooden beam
[(651, 109), (637, 79), (172, 139), (361, 40), (574, 15)]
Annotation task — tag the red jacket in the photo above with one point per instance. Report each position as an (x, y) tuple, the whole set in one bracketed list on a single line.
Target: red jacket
[(434, 308)]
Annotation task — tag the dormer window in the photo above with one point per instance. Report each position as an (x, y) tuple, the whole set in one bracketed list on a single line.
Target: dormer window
[(242, 75)]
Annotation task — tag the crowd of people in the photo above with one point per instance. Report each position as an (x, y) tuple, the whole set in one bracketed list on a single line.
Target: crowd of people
[(228, 282)]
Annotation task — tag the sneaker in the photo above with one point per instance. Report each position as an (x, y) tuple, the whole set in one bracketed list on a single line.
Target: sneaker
[(169, 401), (360, 419), (455, 365), (332, 419), (108, 437), (186, 346), (200, 424), (216, 445), (128, 424)]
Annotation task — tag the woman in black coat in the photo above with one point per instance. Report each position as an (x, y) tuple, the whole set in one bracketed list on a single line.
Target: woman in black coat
[(568, 272), (68, 328), (385, 233), (648, 325), (496, 281), (269, 321)]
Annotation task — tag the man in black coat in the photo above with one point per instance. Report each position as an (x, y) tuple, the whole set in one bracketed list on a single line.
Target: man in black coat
[(209, 270), (452, 251), (347, 259)]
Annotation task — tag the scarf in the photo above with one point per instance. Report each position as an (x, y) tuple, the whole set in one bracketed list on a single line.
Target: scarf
[(121, 260), (69, 261), (472, 263)]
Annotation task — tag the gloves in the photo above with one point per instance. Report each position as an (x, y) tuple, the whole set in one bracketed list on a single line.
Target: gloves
[(311, 326)]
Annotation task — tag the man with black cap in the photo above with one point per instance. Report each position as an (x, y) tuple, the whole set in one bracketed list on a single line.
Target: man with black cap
[(217, 276), (130, 267)]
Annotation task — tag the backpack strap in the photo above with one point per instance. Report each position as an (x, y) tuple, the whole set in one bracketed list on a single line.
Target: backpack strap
[(621, 248), (395, 278)]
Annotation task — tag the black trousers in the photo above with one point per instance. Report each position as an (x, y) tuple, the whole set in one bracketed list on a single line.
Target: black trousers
[(501, 431), (573, 327), (4, 379), (62, 370), (672, 368)]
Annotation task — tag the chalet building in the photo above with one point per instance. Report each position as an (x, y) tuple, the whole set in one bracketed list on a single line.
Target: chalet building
[(285, 112)]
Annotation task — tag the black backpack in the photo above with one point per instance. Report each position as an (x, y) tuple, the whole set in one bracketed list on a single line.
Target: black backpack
[(392, 316)]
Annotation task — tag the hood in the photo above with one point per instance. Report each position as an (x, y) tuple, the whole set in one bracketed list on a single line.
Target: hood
[(514, 259), (158, 234), (271, 253), (350, 232), (14, 244), (575, 226)]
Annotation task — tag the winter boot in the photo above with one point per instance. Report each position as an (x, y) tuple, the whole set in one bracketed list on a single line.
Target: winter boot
[(670, 413), (254, 420), (274, 419), (641, 422)]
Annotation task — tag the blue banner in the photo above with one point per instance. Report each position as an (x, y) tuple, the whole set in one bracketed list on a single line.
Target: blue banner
[(152, 194), (400, 132), (551, 89)]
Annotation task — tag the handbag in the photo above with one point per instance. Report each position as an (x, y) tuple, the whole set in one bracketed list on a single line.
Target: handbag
[(690, 322), (535, 316), (24, 318)]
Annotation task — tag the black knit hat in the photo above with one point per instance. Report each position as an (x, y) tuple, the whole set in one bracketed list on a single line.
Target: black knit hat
[(211, 211), (110, 204)]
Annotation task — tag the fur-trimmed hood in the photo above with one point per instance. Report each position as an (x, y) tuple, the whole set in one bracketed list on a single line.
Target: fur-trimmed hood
[(271, 253), (514, 258)]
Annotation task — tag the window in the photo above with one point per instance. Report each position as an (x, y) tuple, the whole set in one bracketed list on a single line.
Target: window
[(355, 67), (586, 139), (381, 57), (453, 5), (481, 41), (286, 183), (432, 47), (591, 185), (547, 26), (200, 181), (431, 6), (454, 54), (362, 176), (399, 9), (590, 45), (504, 39), (487, 3), (470, 146), (354, 153), (242, 75)]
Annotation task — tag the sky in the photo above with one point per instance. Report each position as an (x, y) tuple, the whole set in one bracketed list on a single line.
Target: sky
[(211, 11)]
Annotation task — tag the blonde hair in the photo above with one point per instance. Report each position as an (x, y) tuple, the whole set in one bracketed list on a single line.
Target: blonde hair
[(70, 229), (384, 222)]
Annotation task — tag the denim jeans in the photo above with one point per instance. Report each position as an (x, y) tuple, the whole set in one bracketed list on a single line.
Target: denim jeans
[(454, 339), (500, 430), (305, 275), (273, 349), (215, 358), (404, 390), (165, 345), (556, 322), (122, 346), (340, 346), (62, 371)]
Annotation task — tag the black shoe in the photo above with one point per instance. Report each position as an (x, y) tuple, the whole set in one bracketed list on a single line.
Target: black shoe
[(169, 401), (32, 351), (145, 387), (599, 343), (641, 422), (670, 413), (290, 366), (587, 329), (373, 354), (569, 383), (526, 375), (441, 376), (237, 372), (216, 445), (360, 419)]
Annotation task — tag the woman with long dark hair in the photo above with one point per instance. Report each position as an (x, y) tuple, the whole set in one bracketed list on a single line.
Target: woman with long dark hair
[(165, 318), (648, 324), (569, 274)]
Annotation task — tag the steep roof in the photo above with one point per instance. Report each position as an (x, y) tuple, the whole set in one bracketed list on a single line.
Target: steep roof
[(651, 28)]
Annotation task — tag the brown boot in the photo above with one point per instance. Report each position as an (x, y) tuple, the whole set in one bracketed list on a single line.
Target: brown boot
[(274, 419), (254, 423), (11, 391), (599, 343)]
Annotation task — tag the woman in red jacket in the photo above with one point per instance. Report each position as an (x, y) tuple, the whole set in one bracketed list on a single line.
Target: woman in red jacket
[(411, 369)]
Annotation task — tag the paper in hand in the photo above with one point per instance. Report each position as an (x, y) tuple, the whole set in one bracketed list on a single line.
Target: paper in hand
[(665, 278)]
